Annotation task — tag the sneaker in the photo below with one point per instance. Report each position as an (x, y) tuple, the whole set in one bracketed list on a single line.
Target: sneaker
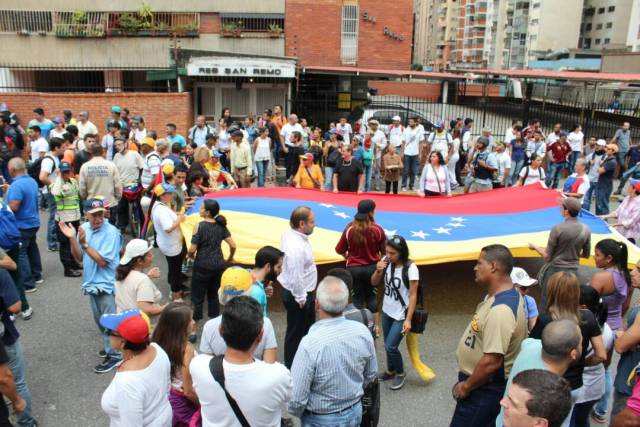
[(102, 353), (386, 375), (398, 382), (30, 290), (600, 419), (53, 249), (107, 365), (72, 273), (27, 314), (39, 281), (403, 189)]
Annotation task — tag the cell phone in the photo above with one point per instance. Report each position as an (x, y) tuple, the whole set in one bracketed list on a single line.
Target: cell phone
[(1, 180)]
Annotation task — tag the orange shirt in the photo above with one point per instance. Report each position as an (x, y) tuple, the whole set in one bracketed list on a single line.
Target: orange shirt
[(279, 121), (305, 181), (69, 156)]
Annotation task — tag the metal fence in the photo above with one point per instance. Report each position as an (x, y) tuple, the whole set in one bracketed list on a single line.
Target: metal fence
[(495, 113)]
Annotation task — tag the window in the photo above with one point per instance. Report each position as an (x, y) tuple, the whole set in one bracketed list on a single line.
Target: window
[(588, 26), (599, 26), (536, 5), (611, 9), (609, 25), (607, 41), (349, 34), (534, 22), (597, 41), (587, 43), (600, 10)]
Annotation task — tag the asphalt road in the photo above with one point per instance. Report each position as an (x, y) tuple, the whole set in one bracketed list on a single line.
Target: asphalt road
[(61, 343)]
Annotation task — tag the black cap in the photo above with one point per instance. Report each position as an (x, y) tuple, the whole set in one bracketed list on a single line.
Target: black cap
[(484, 140), (365, 207), (237, 133)]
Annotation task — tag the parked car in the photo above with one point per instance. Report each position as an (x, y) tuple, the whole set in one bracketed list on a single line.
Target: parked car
[(384, 113)]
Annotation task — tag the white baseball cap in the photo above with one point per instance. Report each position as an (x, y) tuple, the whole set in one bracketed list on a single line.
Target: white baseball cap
[(521, 278), (396, 118), (134, 249), (601, 142)]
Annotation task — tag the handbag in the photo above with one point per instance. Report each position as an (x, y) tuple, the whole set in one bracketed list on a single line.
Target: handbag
[(420, 314), (316, 184), (370, 402)]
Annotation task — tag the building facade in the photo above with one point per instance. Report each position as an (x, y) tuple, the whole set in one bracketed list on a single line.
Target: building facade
[(610, 24)]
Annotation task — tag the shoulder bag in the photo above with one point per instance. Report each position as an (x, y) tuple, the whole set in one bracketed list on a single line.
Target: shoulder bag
[(316, 184), (215, 366), (420, 314)]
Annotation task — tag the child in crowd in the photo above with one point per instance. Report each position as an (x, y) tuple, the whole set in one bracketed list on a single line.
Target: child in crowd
[(392, 164)]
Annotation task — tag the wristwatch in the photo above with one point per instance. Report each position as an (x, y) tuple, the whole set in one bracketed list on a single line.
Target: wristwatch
[(85, 246)]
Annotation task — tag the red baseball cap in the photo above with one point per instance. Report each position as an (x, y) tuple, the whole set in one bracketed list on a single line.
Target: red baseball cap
[(129, 324), (307, 156)]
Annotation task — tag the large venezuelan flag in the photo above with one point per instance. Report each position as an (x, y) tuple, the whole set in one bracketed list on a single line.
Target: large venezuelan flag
[(437, 229)]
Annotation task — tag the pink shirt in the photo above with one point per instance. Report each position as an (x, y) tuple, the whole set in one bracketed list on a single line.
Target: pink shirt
[(629, 216), (634, 401)]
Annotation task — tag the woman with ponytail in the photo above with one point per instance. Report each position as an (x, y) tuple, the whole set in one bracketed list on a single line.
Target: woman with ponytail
[(613, 283), (363, 243), (209, 263)]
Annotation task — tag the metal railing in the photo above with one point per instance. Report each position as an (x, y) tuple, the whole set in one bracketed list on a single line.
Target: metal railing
[(25, 21), (80, 24), (253, 23)]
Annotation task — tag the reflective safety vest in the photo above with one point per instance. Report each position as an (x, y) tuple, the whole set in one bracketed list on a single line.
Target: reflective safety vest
[(69, 200)]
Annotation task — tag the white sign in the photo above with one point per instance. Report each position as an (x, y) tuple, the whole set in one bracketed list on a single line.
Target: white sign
[(241, 67)]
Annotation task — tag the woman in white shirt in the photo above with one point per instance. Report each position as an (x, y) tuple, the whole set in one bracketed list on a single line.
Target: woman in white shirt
[(532, 173), (134, 288), (400, 276), (262, 154), (172, 334), (435, 179), (138, 393), (576, 141)]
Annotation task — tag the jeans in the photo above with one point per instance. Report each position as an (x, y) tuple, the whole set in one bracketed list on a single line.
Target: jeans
[(603, 192), (368, 170), (586, 201), (205, 282), (620, 158), (625, 177), (104, 303), (575, 155), (481, 407), (67, 260), (29, 262), (174, 274), (52, 226), (350, 417), (392, 333), (603, 404), (16, 364), (299, 320), (17, 277), (328, 178), (364, 294), (553, 177), (261, 169), (514, 175), (580, 414), (410, 170)]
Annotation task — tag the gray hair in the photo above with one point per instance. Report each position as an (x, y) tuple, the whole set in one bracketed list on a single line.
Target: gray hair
[(332, 295), (17, 164), (162, 145), (84, 113), (560, 338), (581, 162)]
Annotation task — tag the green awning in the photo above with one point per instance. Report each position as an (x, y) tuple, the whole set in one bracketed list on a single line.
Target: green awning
[(168, 74)]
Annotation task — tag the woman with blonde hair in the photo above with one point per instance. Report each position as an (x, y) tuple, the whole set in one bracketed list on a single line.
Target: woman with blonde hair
[(201, 157), (563, 302)]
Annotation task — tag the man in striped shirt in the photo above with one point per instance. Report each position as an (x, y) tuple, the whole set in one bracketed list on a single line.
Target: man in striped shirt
[(334, 362)]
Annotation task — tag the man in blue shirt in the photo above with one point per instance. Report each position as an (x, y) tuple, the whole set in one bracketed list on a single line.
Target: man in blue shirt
[(172, 136), (23, 201), (97, 246), (41, 121), (268, 264)]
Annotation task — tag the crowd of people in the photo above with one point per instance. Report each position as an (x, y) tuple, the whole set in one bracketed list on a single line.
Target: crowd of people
[(519, 365)]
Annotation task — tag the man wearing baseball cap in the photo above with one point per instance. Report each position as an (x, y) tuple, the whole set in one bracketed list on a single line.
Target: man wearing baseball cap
[(168, 236), (309, 175), (116, 116), (395, 132), (138, 394), (523, 283), (97, 246), (66, 193), (593, 159), (152, 162), (568, 242)]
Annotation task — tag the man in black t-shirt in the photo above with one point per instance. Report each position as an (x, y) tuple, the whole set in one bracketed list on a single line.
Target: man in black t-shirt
[(84, 155), (348, 175)]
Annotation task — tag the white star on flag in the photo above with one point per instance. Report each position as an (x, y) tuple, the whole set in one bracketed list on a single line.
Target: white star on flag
[(341, 214), (327, 205), (456, 224), (389, 233), (421, 234), (458, 219), (442, 230)]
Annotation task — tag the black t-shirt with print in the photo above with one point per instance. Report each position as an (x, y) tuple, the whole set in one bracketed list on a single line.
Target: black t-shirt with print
[(349, 174)]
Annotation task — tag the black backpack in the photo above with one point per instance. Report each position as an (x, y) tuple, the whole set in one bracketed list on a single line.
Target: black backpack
[(34, 169)]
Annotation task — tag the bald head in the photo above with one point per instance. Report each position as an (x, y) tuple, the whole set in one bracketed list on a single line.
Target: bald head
[(560, 338), (16, 166)]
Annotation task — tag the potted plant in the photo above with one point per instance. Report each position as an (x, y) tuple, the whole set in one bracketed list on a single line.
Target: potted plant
[(275, 30), (129, 23), (187, 30), (232, 29), (145, 20), (161, 29)]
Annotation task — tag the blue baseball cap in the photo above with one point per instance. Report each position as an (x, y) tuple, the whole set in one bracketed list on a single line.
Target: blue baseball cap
[(163, 188), (129, 324), (563, 133), (217, 154), (95, 205), (65, 167), (115, 109)]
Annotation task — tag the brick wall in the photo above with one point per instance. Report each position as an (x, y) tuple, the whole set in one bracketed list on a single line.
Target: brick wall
[(157, 109), (312, 33), (428, 91), (209, 23)]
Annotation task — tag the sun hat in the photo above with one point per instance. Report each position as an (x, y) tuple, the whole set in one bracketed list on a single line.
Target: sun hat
[(130, 324), (134, 249)]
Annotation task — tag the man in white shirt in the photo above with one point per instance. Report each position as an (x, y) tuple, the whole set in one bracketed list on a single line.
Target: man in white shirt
[(395, 131), (298, 278), (379, 141), (39, 145), (168, 236), (504, 165), (554, 135), (258, 389), (200, 131), (411, 139), (138, 131), (440, 140), (510, 134), (85, 126), (49, 171), (152, 162), (293, 149), (343, 128), (108, 141)]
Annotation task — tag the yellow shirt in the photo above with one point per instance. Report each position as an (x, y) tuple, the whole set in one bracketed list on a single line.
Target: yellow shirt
[(302, 177), (498, 326)]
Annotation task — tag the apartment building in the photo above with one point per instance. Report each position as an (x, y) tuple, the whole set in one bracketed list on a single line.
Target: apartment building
[(610, 24), (435, 32)]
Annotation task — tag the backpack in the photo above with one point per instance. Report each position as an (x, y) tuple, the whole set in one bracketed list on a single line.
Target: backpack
[(6, 147), (34, 169), (332, 159), (9, 232)]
